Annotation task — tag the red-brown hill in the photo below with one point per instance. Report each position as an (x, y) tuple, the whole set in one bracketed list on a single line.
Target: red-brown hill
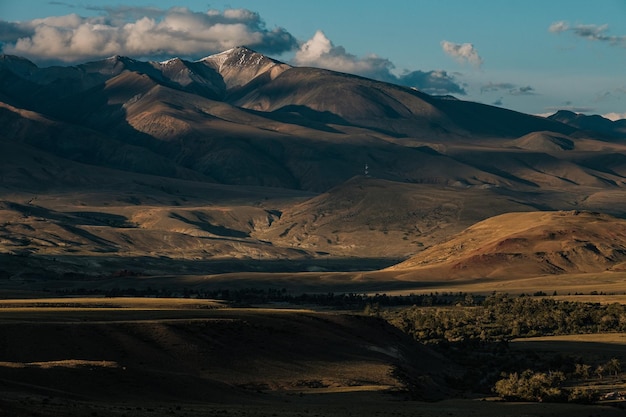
[(524, 245)]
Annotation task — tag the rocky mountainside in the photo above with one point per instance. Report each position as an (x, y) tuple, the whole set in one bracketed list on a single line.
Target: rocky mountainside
[(239, 117), (238, 156)]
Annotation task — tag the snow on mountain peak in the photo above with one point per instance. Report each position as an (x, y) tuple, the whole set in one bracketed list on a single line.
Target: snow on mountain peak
[(170, 61)]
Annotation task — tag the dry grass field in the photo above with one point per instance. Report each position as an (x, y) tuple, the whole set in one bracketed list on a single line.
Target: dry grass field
[(137, 351), (604, 345), (143, 357), (605, 287)]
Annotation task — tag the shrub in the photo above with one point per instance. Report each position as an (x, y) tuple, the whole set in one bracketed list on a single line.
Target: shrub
[(531, 386), (583, 395)]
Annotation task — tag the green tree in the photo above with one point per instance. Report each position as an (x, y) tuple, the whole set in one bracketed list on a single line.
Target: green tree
[(600, 370), (531, 386), (583, 395), (583, 370)]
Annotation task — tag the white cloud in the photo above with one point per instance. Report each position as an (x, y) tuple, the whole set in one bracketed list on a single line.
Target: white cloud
[(313, 49), (558, 27), (153, 33), (614, 116), (319, 51), (176, 31), (462, 52)]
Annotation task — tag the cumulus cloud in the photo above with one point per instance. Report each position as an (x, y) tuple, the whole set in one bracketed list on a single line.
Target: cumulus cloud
[(154, 33), (589, 32), (141, 32), (320, 52), (462, 52)]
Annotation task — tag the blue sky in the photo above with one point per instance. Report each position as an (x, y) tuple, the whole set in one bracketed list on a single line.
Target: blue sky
[(535, 58)]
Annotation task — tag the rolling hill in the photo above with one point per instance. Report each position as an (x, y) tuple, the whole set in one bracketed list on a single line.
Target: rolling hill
[(528, 244)]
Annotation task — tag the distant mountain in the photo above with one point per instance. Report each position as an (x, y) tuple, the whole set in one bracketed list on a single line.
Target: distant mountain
[(239, 117), (594, 123)]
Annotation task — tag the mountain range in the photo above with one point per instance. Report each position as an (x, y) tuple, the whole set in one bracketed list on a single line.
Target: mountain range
[(240, 156)]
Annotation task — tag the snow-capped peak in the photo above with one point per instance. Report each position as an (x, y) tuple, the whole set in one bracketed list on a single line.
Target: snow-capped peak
[(238, 56), (170, 61)]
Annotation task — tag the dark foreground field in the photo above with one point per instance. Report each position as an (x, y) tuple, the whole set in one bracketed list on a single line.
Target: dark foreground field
[(150, 357)]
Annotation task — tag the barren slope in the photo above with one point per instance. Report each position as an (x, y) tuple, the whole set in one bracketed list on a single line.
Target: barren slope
[(213, 356), (119, 163), (369, 217), (527, 244)]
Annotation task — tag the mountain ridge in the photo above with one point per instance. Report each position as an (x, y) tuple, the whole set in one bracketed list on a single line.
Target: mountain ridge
[(245, 106), (346, 167)]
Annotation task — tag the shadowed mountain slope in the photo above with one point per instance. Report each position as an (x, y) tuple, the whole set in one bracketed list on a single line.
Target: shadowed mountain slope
[(219, 356)]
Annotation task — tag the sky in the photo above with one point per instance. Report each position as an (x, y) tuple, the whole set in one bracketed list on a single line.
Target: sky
[(536, 57)]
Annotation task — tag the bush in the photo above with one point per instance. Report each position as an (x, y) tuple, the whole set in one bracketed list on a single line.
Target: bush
[(531, 386), (583, 395)]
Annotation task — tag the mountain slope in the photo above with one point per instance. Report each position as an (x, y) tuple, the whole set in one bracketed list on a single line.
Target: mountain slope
[(545, 142), (239, 66), (239, 117), (323, 164), (76, 143), (527, 244), (370, 217)]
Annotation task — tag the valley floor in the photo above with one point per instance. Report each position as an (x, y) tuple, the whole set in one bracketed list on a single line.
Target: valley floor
[(334, 405), (115, 357)]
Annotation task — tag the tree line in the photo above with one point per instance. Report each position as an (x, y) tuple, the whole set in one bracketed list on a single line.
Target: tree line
[(477, 337), (254, 295), (500, 317)]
